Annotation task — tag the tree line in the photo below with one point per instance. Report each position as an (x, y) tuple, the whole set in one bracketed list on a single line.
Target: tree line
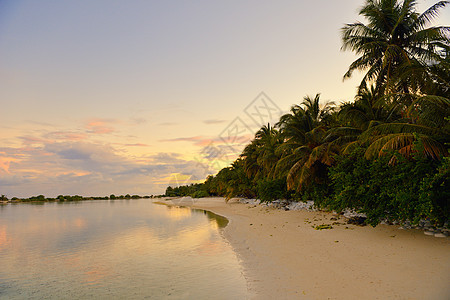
[(386, 152), (69, 198)]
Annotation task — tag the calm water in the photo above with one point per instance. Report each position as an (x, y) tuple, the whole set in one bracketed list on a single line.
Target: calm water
[(123, 249)]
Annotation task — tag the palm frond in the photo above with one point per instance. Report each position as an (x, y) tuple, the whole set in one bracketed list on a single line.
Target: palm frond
[(394, 128), (403, 142)]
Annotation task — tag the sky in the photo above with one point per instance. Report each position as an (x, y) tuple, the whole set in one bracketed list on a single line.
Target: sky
[(127, 97)]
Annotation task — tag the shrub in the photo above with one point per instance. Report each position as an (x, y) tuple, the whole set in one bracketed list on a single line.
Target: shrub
[(269, 190), (200, 194), (381, 190)]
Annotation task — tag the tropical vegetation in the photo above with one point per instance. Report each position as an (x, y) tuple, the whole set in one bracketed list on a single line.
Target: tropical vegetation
[(386, 152)]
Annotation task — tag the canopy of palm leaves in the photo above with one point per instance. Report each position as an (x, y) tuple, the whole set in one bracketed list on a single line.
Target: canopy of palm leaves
[(396, 48)]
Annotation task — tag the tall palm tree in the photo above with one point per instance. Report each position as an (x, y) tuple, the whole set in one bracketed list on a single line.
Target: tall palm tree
[(395, 47), (303, 152)]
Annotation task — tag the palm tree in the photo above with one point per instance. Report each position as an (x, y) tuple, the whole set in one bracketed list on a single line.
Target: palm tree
[(368, 110), (259, 156), (395, 47), (269, 139), (426, 131), (303, 152)]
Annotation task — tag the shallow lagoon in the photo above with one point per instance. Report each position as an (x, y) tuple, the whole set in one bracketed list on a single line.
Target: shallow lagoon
[(118, 249)]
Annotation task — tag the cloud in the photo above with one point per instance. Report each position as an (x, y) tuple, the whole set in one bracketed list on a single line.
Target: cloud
[(88, 156), (211, 121), (101, 126), (66, 135), (196, 140), (164, 157), (88, 168), (232, 142), (12, 181), (31, 140), (5, 162), (75, 161)]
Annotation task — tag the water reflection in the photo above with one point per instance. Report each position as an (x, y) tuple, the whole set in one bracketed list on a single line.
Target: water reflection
[(178, 213), (4, 239), (129, 249)]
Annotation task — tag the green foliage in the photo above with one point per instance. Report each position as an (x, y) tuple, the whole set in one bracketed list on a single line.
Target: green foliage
[(318, 192), (200, 194), (435, 188), (194, 190), (382, 190), (269, 190)]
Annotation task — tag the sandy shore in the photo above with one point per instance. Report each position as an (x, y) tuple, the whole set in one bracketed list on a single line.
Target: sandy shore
[(283, 257)]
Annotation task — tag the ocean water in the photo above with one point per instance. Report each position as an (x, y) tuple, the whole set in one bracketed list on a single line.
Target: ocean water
[(122, 249)]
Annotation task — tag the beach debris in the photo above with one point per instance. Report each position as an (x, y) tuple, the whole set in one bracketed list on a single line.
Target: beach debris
[(323, 226), (308, 205), (440, 235), (357, 220)]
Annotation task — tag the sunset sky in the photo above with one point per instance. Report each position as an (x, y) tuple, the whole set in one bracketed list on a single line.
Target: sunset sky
[(114, 97)]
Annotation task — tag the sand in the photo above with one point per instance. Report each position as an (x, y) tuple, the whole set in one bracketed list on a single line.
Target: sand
[(283, 257)]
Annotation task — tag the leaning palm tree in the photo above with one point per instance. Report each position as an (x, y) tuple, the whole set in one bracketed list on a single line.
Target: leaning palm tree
[(426, 131), (396, 48)]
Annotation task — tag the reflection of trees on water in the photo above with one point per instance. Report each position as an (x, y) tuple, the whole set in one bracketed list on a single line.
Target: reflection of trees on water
[(221, 221)]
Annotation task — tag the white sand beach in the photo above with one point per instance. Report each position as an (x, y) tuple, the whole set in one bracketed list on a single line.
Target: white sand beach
[(283, 257)]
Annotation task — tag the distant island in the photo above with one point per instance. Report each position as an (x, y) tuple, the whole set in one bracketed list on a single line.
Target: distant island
[(67, 198)]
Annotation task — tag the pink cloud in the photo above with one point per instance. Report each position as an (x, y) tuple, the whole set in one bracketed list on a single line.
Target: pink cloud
[(5, 162), (100, 126)]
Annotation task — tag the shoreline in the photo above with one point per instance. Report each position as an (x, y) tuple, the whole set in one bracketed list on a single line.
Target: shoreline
[(284, 257)]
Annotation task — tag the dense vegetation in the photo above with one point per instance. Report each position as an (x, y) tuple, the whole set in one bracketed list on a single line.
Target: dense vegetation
[(386, 152)]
